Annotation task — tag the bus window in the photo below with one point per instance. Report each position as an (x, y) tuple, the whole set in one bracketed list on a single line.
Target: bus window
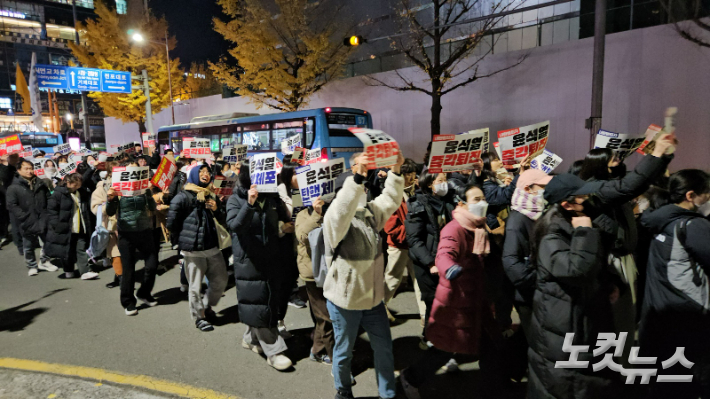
[(256, 141), (284, 130), (338, 124), (310, 132)]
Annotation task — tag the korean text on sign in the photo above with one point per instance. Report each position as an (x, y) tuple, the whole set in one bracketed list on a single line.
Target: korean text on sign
[(13, 145), (621, 144), (312, 156), (27, 152), (652, 133), (453, 153), (518, 143), (299, 155), (63, 149), (381, 149), (235, 154), (546, 162), (224, 185), (263, 172), (165, 174), (318, 179), (67, 170), (129, 181), (196, 147), (148, 140), (288, 144), (128, 148)]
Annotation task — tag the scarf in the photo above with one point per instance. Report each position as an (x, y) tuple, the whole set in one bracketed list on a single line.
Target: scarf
[(202, 192), (476, 225), (528, 204)]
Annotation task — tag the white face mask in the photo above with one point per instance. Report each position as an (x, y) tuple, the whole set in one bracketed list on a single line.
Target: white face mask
[(440, 189), (63, 165), (704, 209), (50, 170), (541, 193), (478, 209), (103, 174), (229, 173), (643, 204)]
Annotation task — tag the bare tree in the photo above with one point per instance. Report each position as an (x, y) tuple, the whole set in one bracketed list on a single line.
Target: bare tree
[(441, 44), (697, 30)]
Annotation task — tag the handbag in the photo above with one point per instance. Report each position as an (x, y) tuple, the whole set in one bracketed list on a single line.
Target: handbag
[(224, 239), (99, 238)]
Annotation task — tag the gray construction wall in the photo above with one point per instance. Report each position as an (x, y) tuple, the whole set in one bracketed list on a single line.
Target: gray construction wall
[(646, 71)]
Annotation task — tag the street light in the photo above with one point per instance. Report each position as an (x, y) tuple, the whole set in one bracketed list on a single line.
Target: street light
[(138, 38)]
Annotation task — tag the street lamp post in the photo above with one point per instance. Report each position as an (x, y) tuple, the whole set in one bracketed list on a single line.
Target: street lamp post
[(138, 38)]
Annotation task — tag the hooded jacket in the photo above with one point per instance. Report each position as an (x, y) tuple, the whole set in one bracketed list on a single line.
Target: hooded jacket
[(28, 203), (60, 215), (189, 220)]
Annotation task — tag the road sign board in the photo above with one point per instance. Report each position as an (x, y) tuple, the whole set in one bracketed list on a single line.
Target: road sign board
[(84, 79)]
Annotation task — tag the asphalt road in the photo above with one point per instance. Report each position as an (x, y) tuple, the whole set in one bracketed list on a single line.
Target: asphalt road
[(82, 323)]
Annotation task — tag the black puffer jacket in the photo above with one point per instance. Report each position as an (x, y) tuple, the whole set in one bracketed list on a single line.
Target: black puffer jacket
[(516, 251), (263, 263), (60, 214), (29, 205), (571, 296), (192, 223), (423, 231), (134, 213)]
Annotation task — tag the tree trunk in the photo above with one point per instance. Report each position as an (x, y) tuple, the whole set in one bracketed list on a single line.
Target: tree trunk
[(141, 127), (435, 107)]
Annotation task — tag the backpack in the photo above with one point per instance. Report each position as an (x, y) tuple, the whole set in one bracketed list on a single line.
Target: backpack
[(99, 238), (681, 231)]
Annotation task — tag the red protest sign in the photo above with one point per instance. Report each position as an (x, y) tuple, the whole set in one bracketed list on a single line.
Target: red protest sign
[(224, 186), (165, 174), (381, 150), (13, 145)]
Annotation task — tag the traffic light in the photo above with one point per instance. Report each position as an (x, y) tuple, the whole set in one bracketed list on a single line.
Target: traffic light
[(353, 41)]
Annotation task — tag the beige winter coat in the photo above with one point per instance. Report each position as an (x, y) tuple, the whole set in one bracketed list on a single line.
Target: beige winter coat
[(100, 197), (305, 223)]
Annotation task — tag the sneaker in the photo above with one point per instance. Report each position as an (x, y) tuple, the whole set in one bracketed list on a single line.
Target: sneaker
[(297, 302), (451, 366), (279, 362), (32, 272), (344, 395), (210, 314), (409, 391), (424, 344), (204, 325), (254, 348), (325, 359), (115, 283), (131, 310), (149, 300), (47, 266), (285, 334), (90, 276), (67, 275)]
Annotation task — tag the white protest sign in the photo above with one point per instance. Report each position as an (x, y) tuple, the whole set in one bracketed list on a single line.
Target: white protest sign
[(27, 152), (454, 153), (546, 162), (38, 163), (621, 144), (36, 152), (288, 144), (196, 147), (224, 185), (63, 149), (262, 169), (103, 156), (67, 170), (148, 140), (518, 143), (75, 158), (129, 181), (235, 154), (381, 149), (318, 179)]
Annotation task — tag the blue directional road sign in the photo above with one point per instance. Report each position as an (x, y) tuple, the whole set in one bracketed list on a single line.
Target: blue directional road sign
[(84, 79)]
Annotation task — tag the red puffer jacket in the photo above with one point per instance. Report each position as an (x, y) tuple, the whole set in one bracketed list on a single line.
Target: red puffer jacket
[(394, 228)]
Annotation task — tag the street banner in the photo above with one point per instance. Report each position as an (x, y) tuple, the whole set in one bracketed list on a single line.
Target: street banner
[(299, 155), (621, 144), (546, 162), (263, 172), (381, 149), (235, 154), (457, 152), (224, 185), (318, 179), (148, 140), (36, 152), (27, 152), (129, 181), (288, 144), (650, 135), (63, 149), (516, 144), (196, 147), (165, 174), (13, 145), (67, 170)]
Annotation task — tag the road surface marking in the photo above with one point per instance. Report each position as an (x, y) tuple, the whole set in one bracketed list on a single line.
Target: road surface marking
[(141, 381)]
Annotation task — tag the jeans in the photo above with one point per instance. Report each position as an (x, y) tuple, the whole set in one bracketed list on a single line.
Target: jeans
[(346, 324), (77, 254), (128, 243), (29, 244)]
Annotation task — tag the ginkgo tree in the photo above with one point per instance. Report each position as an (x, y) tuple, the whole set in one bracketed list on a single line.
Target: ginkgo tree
[(107, 44), (286, 50)]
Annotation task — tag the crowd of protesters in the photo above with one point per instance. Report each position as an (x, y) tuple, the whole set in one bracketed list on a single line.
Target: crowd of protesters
[(520, 270)]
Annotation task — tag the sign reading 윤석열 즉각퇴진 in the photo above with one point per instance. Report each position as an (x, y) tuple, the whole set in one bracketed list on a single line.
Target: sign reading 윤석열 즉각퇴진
[(196, 147), (263, 172), (381, 150), (129, 181), (457, 152), (85, 79), (317, 179), (224, 185), (518, 143)]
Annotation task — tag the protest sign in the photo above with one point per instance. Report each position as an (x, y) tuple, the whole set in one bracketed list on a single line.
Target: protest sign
[(36, 152), (263, 172), (299, 155), (381, 149), (546, 162), (650, 136), (196, 147), (39, 172), (103, 156), (621, 144), (148, 140), (654, 132), (13, 145), (516, 144), (76, 158), (454, 153), (27, 152), (129, 181), (235, 154), (67, 170), (224, 185), (38, 163), (318, 179), (85, 151), (2, 147), (165, 174), (288, 144), (128, 148)]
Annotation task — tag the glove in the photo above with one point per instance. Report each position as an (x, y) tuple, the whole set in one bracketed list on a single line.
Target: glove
[(453, 272)]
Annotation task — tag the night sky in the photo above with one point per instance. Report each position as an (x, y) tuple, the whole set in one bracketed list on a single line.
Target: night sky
[(190, 21)]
